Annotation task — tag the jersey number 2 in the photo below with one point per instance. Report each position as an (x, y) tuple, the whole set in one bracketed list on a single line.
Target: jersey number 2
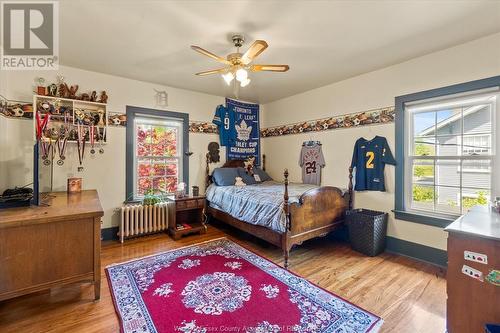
[(369, 162)]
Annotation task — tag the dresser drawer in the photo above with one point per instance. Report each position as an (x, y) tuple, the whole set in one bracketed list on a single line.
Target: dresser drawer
[(180, 205), (190, 204)]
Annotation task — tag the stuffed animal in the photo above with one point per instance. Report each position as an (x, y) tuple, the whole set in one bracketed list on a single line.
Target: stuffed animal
[(239, 181), (249, 165), (84, 97), (70, 92), (62, 90), (104, 97)]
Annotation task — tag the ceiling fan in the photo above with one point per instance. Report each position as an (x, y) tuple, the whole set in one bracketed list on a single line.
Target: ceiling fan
[(238, 64)]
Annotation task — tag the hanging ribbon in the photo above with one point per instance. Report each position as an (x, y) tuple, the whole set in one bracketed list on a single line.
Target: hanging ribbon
[(92, 139), (52, 148), (61, 148), (81, 144), (66, 126), (47, 149), (101, 140), (41, 124), (44, 147)]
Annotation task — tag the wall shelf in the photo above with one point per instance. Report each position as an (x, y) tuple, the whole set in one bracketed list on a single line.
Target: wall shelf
[(64, 116)]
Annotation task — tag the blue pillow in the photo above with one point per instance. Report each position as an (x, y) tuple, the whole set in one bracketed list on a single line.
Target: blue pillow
[(225, 176), (262, 174), (247, 179)]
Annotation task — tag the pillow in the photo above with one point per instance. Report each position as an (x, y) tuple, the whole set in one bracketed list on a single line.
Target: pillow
[(262, 174), (225, 176), (247, 179)]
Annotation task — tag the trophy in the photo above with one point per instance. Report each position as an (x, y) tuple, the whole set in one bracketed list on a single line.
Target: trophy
[(100, 123), (52, 90), (40, 89)]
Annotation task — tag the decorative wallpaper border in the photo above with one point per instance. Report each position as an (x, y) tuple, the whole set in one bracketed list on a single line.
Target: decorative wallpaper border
[(202, 127), (357, 119), (24, 110)]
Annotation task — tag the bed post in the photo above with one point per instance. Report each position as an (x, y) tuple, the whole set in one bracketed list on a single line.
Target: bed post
[(207, 171), (264, 162), (286, 235), (350, 188)]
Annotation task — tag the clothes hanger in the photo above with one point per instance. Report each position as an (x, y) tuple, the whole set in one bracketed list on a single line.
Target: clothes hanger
[(311, 143), (370, 131)]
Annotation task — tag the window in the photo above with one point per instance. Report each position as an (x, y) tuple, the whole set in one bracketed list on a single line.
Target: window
[(155, 152), (158, 163), (476, 145), (448, 141), (445, 152)]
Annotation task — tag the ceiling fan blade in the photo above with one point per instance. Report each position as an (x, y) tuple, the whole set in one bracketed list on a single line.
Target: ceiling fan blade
[(210, 54), (270, 68), (255, 49), (213, 71)]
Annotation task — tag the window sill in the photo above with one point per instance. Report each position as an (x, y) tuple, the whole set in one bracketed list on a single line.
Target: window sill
[(434, 221)]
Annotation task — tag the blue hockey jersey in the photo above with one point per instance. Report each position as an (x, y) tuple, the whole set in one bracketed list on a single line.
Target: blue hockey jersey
[(369, 158), (224, 119)]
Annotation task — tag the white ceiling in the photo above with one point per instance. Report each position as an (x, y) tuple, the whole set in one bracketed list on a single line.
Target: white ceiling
[(322, 41)]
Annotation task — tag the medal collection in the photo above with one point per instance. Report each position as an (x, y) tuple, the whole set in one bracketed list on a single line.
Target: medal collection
[(59, 122)]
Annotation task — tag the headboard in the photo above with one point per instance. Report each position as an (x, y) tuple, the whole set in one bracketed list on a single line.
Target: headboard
[(228, 164)]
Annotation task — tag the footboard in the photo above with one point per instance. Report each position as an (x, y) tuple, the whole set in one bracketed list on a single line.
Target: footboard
[(318, 212), (318, 209)]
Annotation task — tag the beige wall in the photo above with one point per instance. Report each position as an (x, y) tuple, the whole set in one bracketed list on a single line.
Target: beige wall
[(471, 61), (2, 82), (105, 172)]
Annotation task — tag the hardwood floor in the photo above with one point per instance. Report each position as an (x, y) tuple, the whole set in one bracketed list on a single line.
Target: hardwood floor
[(409, 295)]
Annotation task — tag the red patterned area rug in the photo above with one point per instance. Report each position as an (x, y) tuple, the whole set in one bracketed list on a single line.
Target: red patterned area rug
[(219, 286)]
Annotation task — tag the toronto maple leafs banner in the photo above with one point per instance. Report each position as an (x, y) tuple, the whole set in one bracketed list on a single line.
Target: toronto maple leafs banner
[(246, 129)]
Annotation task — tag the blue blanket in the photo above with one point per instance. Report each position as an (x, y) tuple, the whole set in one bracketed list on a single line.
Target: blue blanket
[(260, 204)]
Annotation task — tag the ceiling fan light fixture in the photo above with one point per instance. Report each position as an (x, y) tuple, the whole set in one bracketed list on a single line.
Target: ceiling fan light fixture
[(245, 82), (238, 64), (241, 75), (228, 77)]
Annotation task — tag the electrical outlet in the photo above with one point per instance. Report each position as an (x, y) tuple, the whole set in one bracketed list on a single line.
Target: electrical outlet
[(476, 257), (473, 273)]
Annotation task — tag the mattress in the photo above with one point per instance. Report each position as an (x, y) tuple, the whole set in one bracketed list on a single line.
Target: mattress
[(261, 204)]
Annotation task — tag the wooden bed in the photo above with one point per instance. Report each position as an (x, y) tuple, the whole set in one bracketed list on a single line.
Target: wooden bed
[(318, 212)]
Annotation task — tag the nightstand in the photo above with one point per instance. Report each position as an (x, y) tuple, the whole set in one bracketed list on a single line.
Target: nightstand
[(187, 216)]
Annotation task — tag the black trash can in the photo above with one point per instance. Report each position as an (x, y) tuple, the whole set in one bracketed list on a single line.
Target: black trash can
[(367, 230)]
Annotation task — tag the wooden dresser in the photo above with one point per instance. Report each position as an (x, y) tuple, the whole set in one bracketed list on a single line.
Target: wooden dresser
[(46, 246), (472, 300)]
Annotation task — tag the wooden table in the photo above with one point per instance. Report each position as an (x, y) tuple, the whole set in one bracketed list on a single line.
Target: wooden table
[(46, 246), (188, 211), (472, 303)]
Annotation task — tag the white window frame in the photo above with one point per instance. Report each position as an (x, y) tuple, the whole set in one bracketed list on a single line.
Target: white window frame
[(489, 96), (145, 119)]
